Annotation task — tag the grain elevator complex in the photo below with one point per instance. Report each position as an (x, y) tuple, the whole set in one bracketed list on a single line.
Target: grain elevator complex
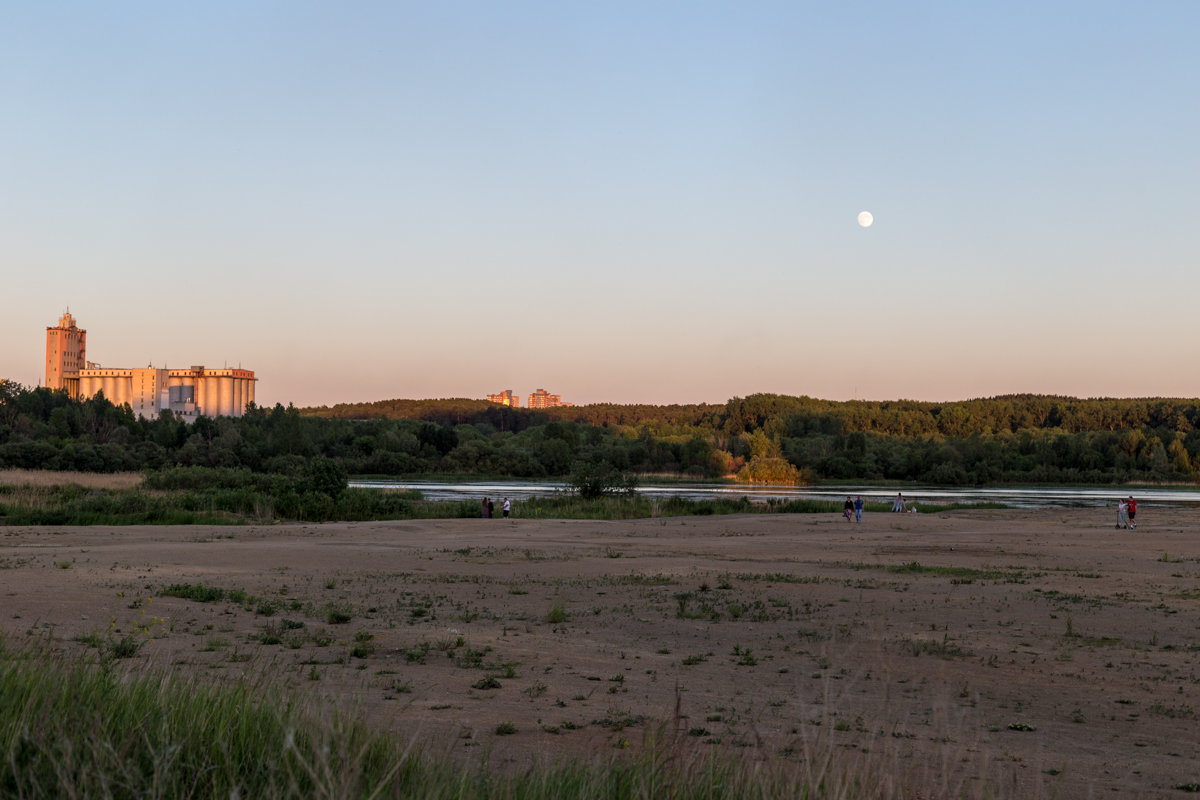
[(194, 392)]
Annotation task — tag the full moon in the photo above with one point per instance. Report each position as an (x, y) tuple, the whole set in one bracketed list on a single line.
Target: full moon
[(865, 219)]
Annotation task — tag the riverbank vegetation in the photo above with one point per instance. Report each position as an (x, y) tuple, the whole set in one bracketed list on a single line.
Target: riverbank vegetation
[(761, 438), (206, 495)]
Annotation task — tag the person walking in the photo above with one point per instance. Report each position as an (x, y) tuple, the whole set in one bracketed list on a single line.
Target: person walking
[(506, 507), (491, 507), (847, 508), (1131, 511), (858, 507), (1122, 514), (483, 508)]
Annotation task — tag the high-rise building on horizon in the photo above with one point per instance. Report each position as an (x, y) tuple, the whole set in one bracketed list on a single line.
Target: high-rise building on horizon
[(505, 398), (543, 399), (194, 392)]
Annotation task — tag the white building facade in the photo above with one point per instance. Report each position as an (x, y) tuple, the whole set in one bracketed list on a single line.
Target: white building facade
[(194, 392)]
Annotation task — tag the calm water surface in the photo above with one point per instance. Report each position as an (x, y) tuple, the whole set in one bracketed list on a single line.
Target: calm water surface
[(1017, 497)]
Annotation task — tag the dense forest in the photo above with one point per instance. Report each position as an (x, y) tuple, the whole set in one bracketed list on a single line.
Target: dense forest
[(769, 438)]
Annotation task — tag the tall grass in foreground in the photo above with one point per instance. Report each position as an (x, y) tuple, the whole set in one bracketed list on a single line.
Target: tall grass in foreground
[(77, 730), (81, 730)]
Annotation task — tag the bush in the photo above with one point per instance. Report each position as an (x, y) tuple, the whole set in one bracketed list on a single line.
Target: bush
[(593, 479)]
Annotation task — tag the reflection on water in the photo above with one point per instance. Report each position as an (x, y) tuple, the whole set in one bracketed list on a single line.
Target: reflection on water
[(1017, 497)]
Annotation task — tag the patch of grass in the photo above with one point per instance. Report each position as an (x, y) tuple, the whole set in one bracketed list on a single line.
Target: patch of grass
[(85, 480), (946, 648), (960, 573), (774, 577), (417, 653), (126, 646), (619, 719), (364, 645), (193, 591), (470, 658), (744, 657)]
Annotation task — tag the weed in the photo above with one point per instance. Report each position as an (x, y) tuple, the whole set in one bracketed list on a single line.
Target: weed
[(619, 719), (469, 658), (744, 657), (193, 591), (945, 648), (417, 653)]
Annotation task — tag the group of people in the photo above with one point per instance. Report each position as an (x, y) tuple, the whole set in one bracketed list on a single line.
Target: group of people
[(1127, 513), (854, 507), (486, 507)]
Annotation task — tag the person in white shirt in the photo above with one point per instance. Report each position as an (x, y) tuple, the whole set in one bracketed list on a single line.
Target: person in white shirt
[(507, 505)]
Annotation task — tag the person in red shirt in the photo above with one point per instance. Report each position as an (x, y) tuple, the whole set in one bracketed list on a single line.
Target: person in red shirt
[(1132, 511)]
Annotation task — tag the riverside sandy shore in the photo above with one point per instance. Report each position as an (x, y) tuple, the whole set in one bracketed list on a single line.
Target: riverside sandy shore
[(1025, 654)]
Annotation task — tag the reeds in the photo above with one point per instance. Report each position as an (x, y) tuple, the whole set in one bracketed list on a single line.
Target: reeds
[(32, 478)]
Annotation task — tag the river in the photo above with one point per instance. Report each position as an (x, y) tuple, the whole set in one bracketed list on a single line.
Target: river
[(1019, 497)]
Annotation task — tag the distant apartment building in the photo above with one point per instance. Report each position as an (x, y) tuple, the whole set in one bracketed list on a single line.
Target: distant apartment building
[(194, 392), (543, 399), (505, 398), (66, 354)]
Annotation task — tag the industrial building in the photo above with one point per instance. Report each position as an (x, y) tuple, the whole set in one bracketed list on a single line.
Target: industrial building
[(66, 354), (190, 393)]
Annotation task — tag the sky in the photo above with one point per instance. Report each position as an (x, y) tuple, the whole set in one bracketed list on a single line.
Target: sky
[(629, 202)]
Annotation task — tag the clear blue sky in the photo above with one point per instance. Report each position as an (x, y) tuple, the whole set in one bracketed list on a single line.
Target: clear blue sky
[(617, 201)]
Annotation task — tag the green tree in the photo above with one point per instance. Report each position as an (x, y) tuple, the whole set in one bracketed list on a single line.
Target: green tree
[(593, 479), (327, 477)]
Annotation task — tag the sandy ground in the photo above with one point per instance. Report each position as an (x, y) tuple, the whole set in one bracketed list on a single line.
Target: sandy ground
[(1029, 654)]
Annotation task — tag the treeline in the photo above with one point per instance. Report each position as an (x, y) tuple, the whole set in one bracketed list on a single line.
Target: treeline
[(769, 438), (986, 416), (42, 429)]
